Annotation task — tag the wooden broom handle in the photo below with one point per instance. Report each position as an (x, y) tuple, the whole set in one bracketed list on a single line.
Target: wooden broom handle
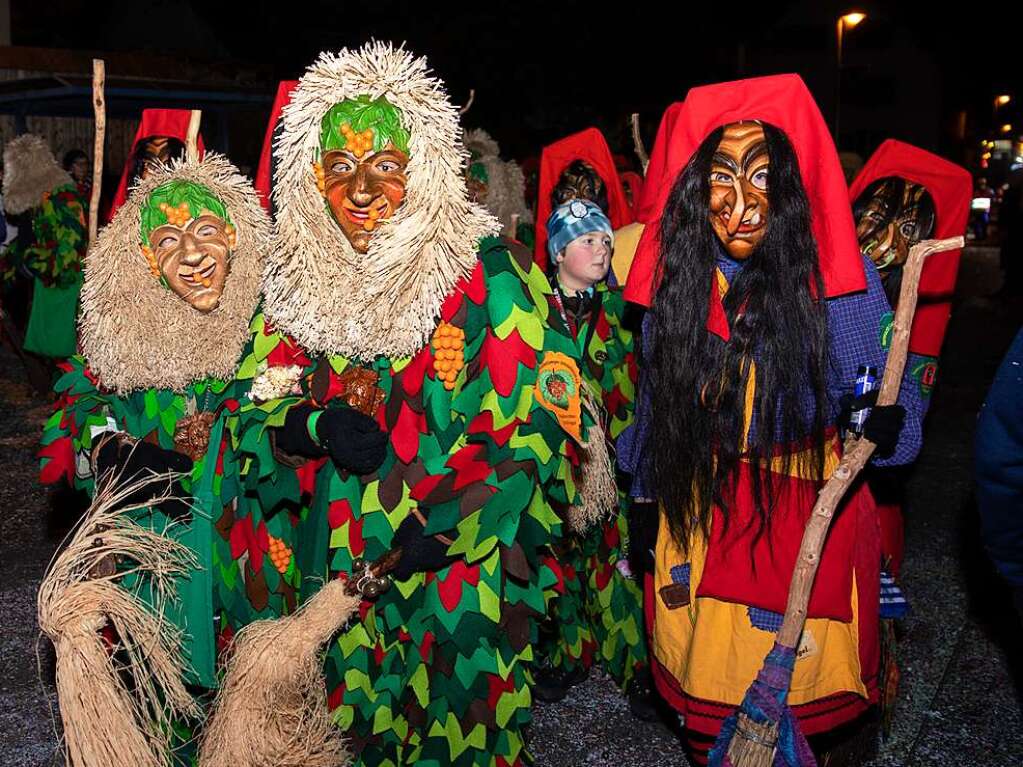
[(637, 143), (99, 109), (856, 452), (192, 137)]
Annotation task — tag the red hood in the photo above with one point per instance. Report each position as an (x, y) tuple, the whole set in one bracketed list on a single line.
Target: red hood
[(951, 188), (263, 180), (590, 147), (172, 123), (646, 204), (785, 102)]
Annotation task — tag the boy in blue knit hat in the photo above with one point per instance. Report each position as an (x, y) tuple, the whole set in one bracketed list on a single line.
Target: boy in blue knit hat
[(598, 617)]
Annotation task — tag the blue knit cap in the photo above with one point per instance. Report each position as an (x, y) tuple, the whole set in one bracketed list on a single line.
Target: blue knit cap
[(574, 219)]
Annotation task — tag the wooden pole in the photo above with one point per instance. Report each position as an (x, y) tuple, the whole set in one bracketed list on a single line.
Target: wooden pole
[(637, 143), (192, 137), (857, 451), (99, 109)]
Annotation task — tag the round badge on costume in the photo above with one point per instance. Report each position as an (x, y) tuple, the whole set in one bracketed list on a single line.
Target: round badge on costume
[(578, 209)]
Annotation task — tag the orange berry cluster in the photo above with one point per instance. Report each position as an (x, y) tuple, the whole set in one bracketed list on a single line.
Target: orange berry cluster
[(321, 176), (370, 223), (280, 555), (449, 353), (154, 267), (178, 216), (357, 143)]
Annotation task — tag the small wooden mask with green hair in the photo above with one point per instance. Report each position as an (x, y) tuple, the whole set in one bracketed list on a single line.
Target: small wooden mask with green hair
[(194, 262)]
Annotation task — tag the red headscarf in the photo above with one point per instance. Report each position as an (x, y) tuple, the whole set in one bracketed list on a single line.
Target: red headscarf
[(590, 147), (784, 102), (284, 89), (951, 187), (646, 204), (172, 123)]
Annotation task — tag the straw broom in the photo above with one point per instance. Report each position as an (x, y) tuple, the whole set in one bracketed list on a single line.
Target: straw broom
[(751, 737), (116, 708), (272, 708)]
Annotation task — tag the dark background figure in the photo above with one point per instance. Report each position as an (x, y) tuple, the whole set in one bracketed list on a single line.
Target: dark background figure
[(76, 163), (999, 467), (1011, 225)]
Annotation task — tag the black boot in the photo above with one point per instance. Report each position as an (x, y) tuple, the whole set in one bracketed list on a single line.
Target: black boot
[(640, 694), (551, 684)]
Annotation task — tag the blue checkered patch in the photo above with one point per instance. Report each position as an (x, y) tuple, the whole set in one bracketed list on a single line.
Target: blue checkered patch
[(764, 620), (893, 601), (680, 574)]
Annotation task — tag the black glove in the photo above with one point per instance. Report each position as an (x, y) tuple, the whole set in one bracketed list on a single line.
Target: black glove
[(130, 463), (882, 427), (419, 552), (353, 441)]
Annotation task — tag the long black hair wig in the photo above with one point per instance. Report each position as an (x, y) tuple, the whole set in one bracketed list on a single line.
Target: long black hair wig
[(698, 381)]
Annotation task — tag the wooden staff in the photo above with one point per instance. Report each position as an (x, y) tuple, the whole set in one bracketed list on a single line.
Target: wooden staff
[(637, 143), (99, 108), (192, 137)]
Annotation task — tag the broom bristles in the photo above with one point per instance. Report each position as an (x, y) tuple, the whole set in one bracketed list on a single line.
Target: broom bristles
[(272, 707), (598, 489), (115, 708), (753, 744)]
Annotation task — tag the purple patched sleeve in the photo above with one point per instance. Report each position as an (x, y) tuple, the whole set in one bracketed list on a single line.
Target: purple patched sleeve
[(856, 323)]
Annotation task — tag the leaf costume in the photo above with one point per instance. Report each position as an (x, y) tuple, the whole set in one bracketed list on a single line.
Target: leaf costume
[(53, 254), (599, 615), (159, 371), (451, 326)]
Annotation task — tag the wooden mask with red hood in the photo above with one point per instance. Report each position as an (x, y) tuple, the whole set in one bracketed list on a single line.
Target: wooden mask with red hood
[(784, 102), (155, 123), (590, 147), (949, 188)]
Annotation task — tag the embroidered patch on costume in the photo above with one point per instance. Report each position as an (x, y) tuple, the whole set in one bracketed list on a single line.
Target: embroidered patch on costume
[(887, 326), (558, 389), (926, 373), (681, 574), (676, 593), (893, 601), (807, 646), (765, 620)]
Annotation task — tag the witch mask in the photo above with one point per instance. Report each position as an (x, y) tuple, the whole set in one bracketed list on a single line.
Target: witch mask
[(739, 206), (187, 239), (579, 181), (361, 170), (892, 214)]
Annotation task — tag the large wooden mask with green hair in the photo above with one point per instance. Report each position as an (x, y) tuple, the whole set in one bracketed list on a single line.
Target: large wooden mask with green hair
[(361, 168), (187, 238)]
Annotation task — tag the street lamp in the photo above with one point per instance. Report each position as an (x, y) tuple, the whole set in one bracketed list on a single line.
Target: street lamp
[(1001, 101), (848, 21)]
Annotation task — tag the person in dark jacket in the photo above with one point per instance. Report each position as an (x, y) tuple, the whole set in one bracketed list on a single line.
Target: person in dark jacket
[(999, 465)]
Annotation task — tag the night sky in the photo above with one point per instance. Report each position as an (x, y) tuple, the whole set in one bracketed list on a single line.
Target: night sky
[(542, 70)]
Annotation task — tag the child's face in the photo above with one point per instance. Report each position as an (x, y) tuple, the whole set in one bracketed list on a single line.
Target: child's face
[(586, 259)]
